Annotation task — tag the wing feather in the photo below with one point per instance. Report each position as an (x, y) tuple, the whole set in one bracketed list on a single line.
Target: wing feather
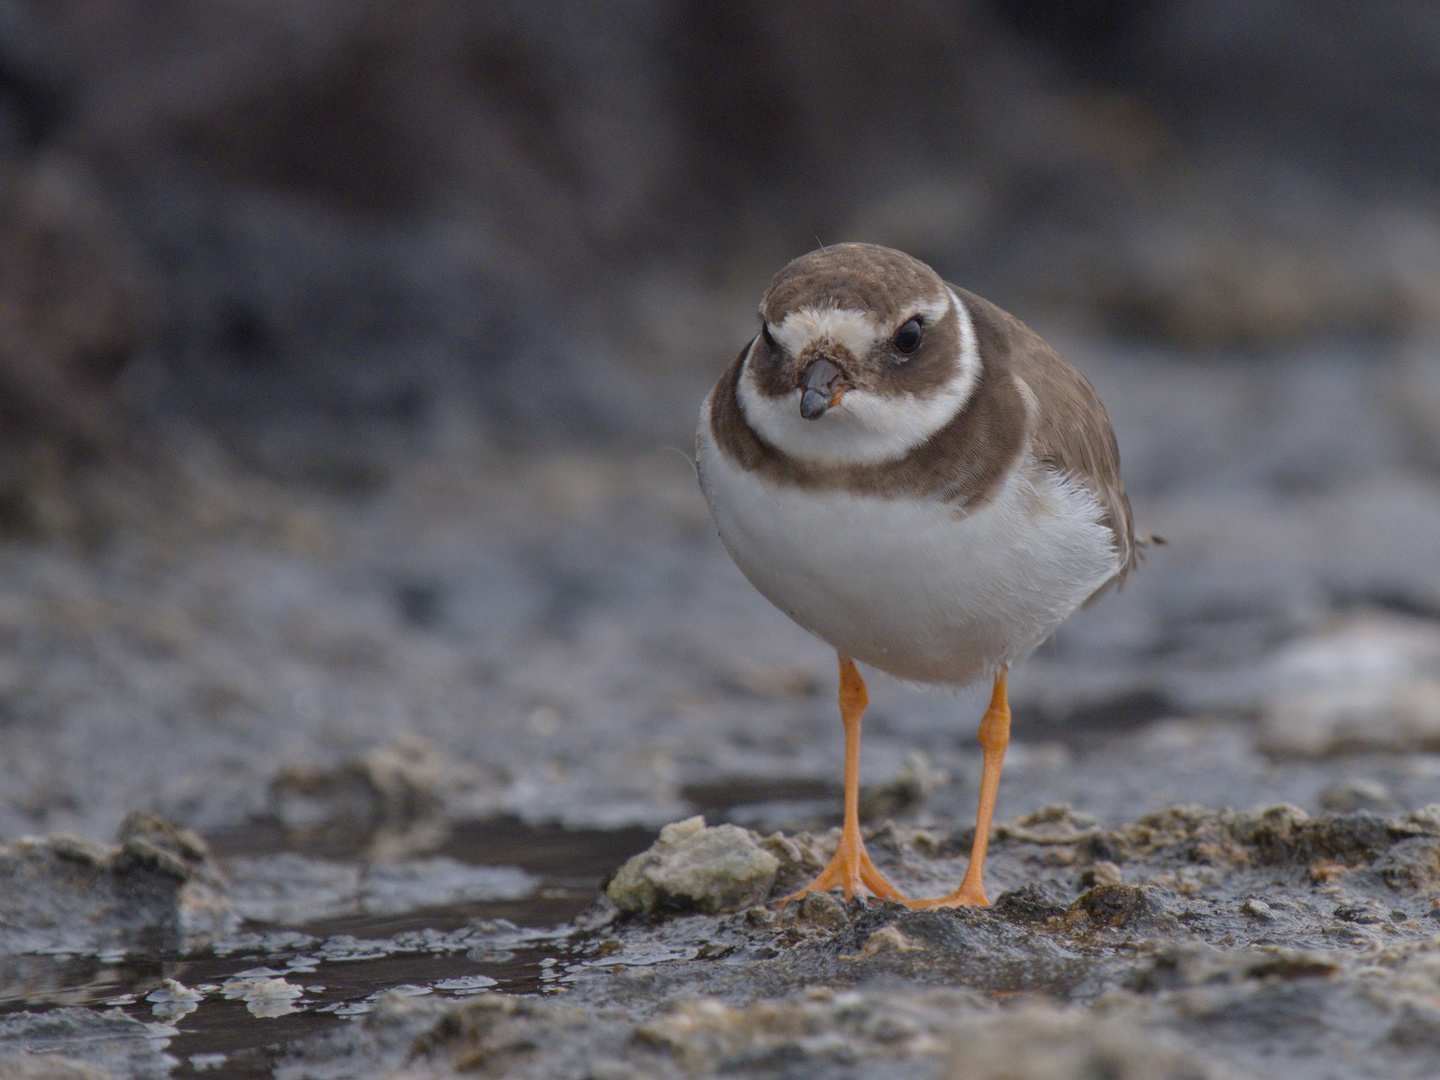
[(1071, 432)]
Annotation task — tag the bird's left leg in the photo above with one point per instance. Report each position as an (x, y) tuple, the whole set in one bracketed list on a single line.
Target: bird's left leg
[(851, 868), (994, 738)]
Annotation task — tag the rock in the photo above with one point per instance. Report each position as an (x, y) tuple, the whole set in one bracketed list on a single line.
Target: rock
[(1041, 1043), (265, 997), (1257, 909), (388, 803), (1117, 905), (289, 888), (1104, 872), (1052, 824), (1361, 793), (912, 786), (155, 890), (823, 910), (292, 889), (50, 1067), (778, 681), (172, 1000), (1194, 963), (1411, 864), (80, 1044), (77, 298), (1369, 683), (889, 939), (1368, 913), (1033, 902), (496, 1031), (801, 857), (695, 868), (705, 1035)]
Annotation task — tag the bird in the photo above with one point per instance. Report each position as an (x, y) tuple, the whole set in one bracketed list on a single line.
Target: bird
[(914, 476)]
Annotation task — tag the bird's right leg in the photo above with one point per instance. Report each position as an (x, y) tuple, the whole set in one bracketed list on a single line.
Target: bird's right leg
[(850, 868)]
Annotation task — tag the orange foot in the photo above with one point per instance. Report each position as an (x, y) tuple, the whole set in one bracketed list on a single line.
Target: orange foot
[(966, 896), (851, 869)]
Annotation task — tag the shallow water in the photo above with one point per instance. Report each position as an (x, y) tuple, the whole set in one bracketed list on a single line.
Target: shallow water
[(338, 967)]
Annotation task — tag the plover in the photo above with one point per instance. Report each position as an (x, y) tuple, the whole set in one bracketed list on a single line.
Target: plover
[(914, 476)]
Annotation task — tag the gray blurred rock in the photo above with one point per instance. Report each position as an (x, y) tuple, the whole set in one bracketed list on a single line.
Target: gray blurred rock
[(906, 793), (695, 868), (50, 1067), (78, 298), (156, 890), (1043, 1043), (1361, 793), (82, 1044), (387, 803), (1368, 683), (293, 889)]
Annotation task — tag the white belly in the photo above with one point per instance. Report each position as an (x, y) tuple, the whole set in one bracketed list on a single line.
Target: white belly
[(915, 588)]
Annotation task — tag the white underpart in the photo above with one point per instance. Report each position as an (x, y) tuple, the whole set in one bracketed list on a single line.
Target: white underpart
[(864, 428), (914, 586)]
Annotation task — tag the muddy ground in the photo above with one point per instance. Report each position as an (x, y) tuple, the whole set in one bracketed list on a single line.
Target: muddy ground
[(387, 744)]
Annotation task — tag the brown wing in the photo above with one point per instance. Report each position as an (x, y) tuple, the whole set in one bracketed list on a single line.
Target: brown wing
[(1072, 433)]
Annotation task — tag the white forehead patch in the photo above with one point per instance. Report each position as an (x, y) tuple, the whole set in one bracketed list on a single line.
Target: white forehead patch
[(855, 330), (864, 429)]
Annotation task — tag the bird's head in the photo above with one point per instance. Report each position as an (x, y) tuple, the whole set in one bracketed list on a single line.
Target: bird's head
[(863, 353)]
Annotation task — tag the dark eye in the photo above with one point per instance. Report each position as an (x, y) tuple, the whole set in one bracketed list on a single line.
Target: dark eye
[(907, 338), (769, 340)]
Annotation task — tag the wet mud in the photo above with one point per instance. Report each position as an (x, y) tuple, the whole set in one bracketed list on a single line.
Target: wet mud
[(324, 787)]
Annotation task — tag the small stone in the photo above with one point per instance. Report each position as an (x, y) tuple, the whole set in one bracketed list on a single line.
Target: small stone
[(916, 781), (157, 888), (1118, 905), (1257, 909), (172, 1000), (1285, 962), (823, 910), (1327, 871), (1056, 823), (1361, 793), (1411, 864), (778, 681), (388, 803), (1367, 684), (1032, 902), (1364, 914), (1043, 1043), (801, 858), (50, 1067), (264, 997), (1103, 872), (696, 868), (889, 939)]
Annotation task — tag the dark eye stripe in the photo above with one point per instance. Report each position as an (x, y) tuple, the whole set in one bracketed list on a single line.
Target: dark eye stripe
[(765, 333)]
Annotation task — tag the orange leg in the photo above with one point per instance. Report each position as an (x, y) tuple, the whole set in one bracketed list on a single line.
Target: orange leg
[(851, 868), (994, 738)]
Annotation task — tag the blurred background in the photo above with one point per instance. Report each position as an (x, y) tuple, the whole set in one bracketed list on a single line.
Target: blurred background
[(346, 347)]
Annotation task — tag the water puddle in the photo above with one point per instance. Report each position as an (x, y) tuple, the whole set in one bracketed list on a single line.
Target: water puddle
[(230, 1011)]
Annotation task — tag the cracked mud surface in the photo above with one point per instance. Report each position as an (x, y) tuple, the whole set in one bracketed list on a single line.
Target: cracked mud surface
[(384, 753)]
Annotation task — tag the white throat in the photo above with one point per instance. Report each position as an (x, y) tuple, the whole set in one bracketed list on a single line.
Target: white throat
[(864, 428)]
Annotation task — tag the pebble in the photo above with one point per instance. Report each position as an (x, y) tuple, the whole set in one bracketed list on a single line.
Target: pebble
[(693, 867)]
